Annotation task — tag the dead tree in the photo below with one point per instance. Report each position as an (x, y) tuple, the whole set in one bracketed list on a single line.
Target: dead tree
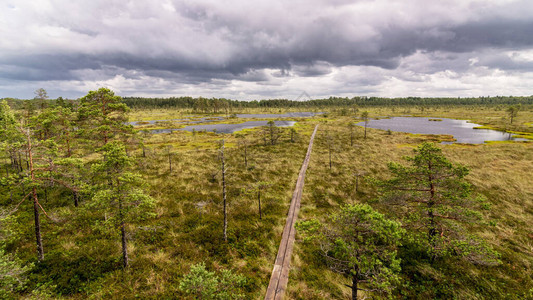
[(351, 126), (245, 144), (358, 174), (260, 186), (224, 192), (365, 117)]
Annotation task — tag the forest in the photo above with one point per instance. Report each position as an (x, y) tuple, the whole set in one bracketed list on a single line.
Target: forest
[(95, 206)]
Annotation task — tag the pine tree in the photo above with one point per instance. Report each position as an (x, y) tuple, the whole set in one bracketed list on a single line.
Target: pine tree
[(102, 116), (434, 199), (203, 284), (119, 194), (359, 243)]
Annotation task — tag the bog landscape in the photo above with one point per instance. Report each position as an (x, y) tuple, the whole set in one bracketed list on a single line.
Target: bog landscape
[(266, 149), (109, 197)]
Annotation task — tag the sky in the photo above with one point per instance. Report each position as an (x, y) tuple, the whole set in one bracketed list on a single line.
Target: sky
[(255, 49)]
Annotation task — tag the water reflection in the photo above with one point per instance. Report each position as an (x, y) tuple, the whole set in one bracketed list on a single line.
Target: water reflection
[(193, 120), (225, 128), (461, 130)]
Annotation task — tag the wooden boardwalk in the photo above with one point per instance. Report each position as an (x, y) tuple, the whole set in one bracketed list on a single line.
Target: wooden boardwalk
[(280, 272)]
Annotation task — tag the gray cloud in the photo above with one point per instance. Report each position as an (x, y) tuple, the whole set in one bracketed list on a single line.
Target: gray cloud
[(256, 44)]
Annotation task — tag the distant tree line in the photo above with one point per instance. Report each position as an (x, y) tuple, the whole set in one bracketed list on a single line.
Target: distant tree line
[(223, 105)]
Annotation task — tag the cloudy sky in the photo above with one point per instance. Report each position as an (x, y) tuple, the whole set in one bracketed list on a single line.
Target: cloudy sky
[(255, 49)]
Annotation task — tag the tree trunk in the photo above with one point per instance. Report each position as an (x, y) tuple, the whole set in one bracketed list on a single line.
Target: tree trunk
[(20, 163), (432, 231), (224, 195), (38, 238), (68, 143), (125, 259), (123, 234), (354, 283), (76, 199)]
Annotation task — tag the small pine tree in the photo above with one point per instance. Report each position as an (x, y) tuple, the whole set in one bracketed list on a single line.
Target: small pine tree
[(202, 284), (434, 200), (120, 195), (359, 243), (512, 111)]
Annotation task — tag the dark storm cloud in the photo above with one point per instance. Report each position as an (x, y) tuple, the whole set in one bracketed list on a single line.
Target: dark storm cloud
[(40, 67), (506, 62), (196, 42), (492, 33)]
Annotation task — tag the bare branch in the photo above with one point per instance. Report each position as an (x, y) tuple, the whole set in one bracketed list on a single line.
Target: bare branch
[(17, 206)]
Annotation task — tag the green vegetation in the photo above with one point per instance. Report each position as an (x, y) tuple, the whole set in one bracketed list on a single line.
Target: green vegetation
[(222, 105), (106, 195), (513, 111), (202, 284), (12, 275), (433, 200), (361, 244)]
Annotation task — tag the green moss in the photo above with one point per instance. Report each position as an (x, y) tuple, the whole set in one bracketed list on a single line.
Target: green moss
[(524, 136), (485, 127), (433, 137), (499, 142)]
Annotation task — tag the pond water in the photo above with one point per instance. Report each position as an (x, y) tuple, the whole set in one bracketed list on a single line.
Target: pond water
[(461, 130), (225, 128)]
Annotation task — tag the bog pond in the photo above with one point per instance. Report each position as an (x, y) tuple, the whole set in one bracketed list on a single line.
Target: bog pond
[(225, 128), (462, 130)]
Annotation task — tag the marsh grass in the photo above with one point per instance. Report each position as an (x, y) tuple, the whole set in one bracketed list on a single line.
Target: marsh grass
[(83, 253), (500, 172), (188, 228)]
